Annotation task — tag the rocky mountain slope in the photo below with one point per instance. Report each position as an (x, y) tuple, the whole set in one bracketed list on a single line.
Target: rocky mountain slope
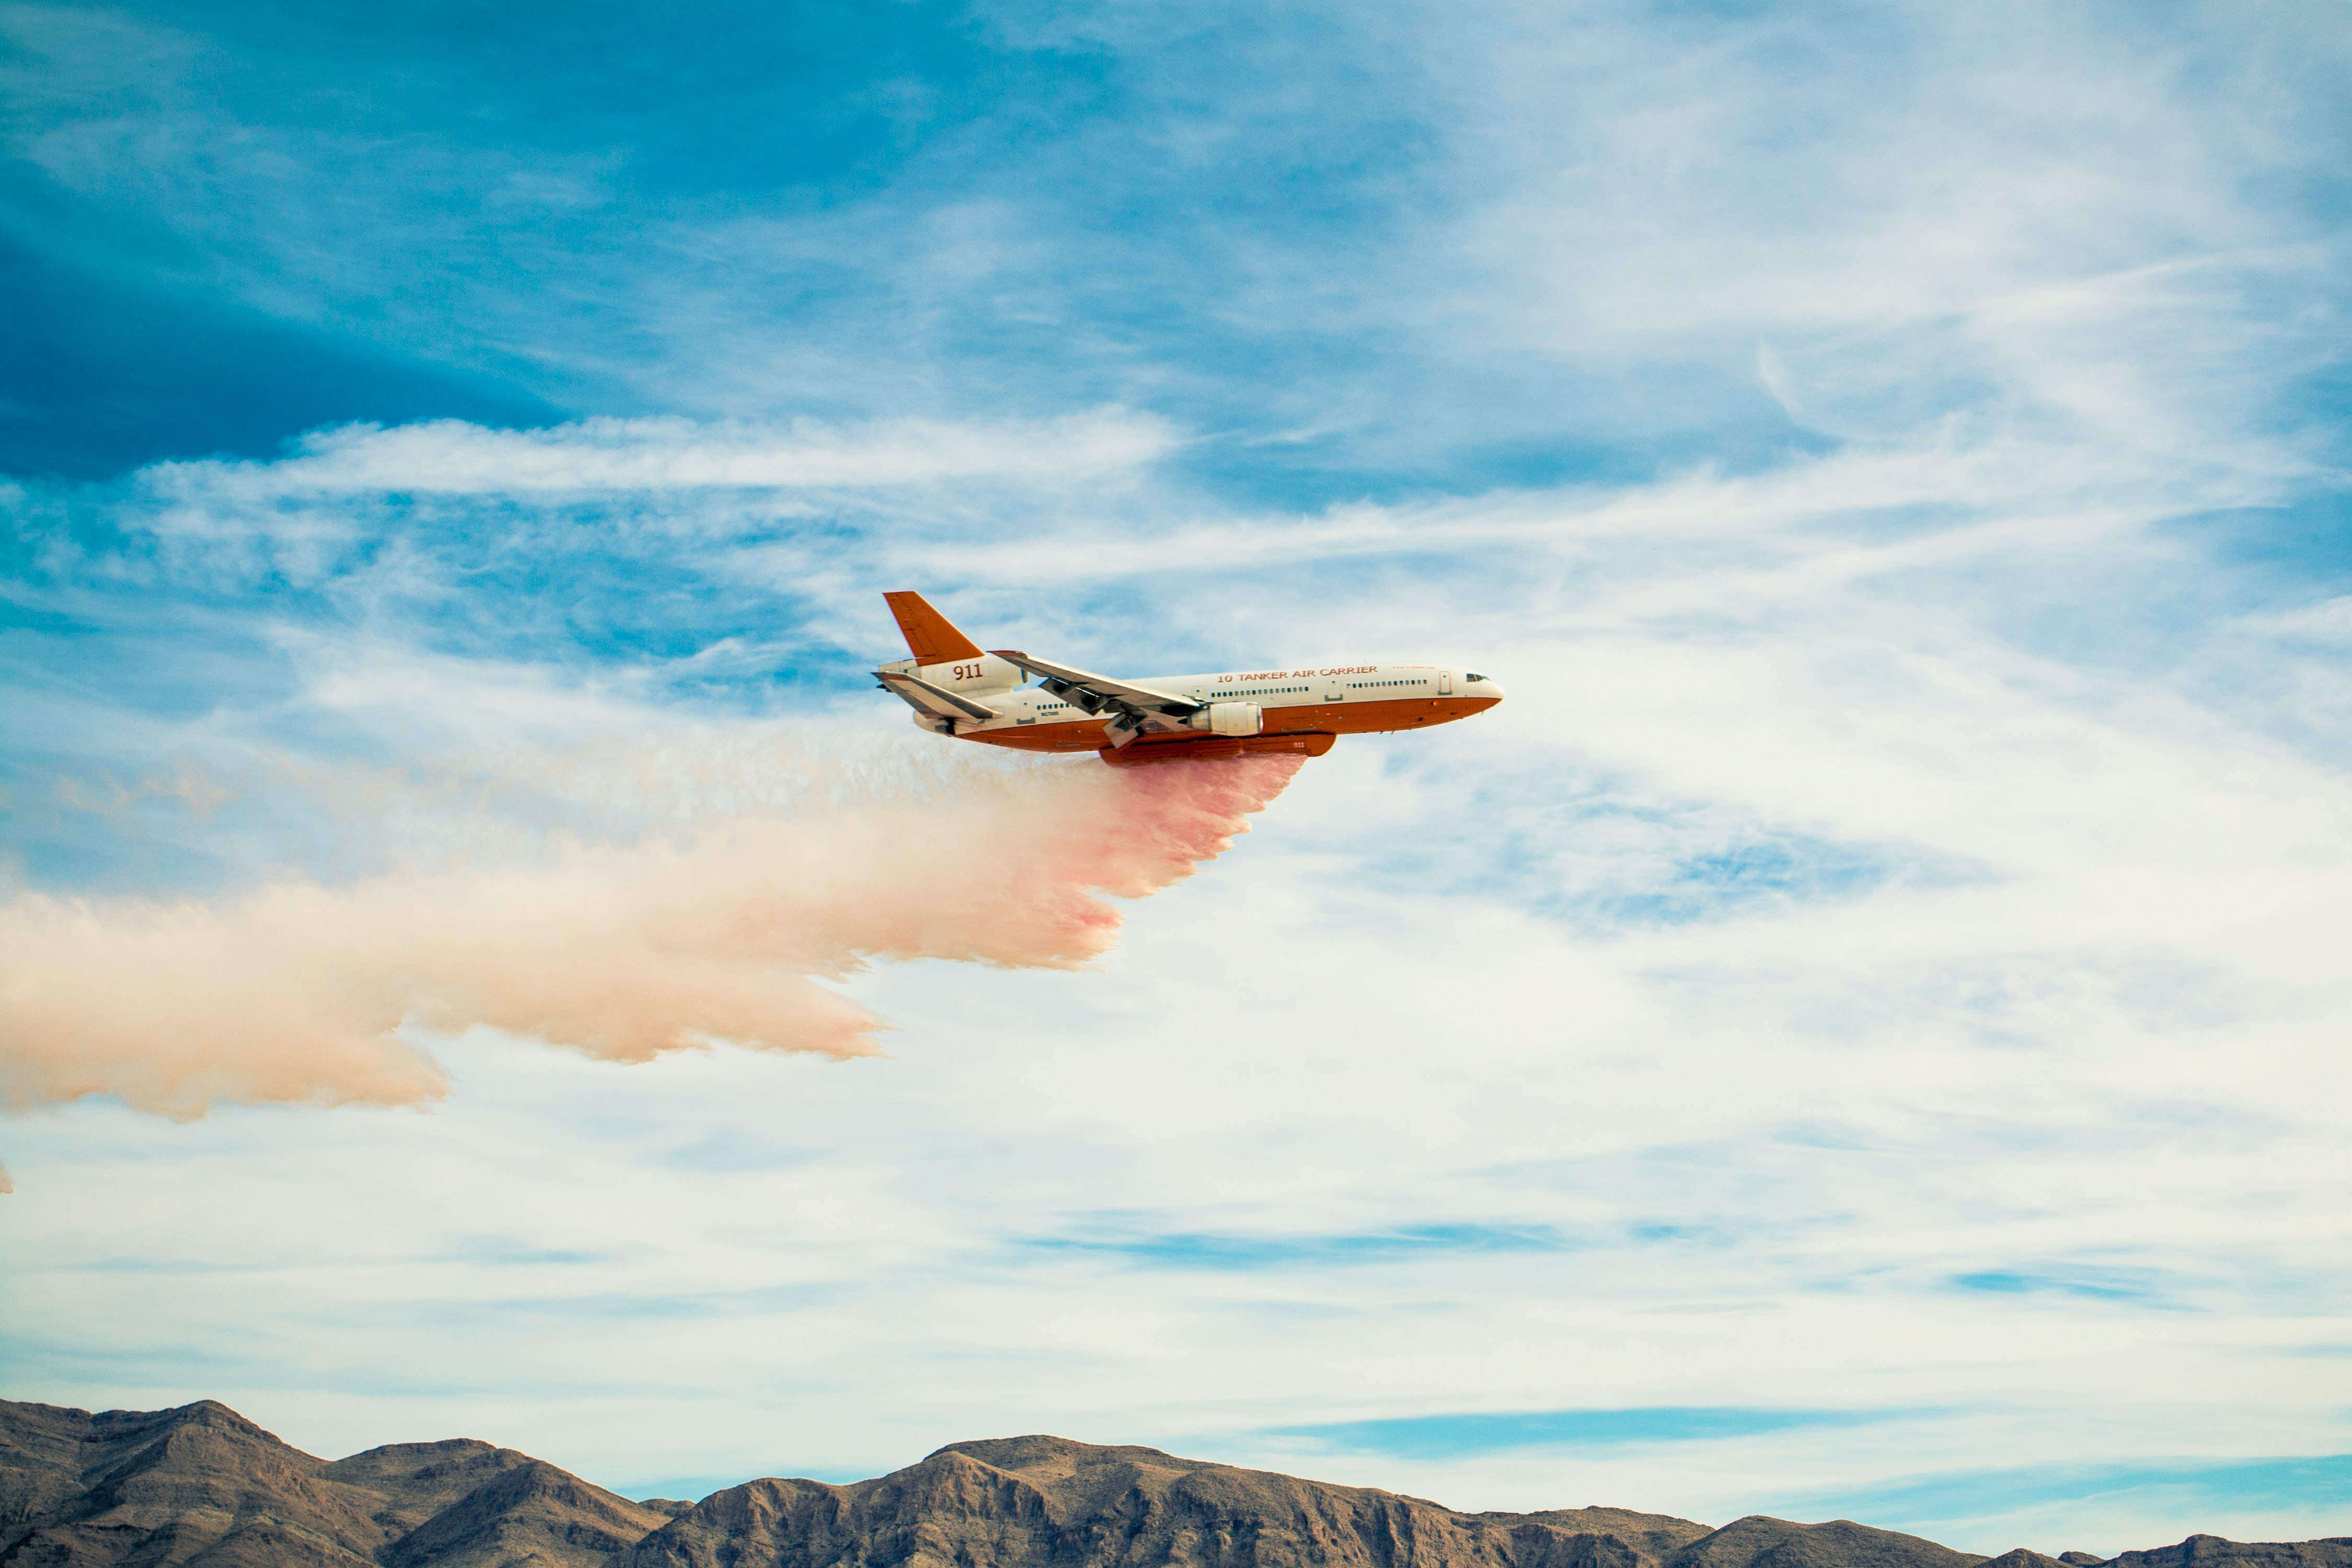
[(202, 1485)]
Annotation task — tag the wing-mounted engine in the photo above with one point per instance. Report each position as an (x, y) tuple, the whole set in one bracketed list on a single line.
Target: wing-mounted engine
[(1229, 719)]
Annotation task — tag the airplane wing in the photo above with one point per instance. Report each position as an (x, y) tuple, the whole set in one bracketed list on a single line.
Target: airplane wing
[(1077, 685), (1139, 708), (931, 698)]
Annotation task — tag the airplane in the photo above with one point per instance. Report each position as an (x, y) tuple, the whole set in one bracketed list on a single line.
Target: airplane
[(958, 690)]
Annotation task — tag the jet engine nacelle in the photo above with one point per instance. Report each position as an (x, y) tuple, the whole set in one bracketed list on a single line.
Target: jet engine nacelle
[(966, 677), (1229, 718)]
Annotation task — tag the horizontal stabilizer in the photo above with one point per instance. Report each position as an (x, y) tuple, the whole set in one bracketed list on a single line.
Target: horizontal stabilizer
[(931, 637), (920, 693)]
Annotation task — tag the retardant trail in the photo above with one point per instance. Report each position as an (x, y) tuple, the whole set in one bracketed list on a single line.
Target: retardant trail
[(291, 992)]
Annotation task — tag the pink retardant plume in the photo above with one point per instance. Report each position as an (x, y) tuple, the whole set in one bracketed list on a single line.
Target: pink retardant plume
[(292, 992)]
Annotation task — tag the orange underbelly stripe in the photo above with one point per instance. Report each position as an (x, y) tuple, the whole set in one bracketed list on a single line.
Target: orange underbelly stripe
[(1308, 718)]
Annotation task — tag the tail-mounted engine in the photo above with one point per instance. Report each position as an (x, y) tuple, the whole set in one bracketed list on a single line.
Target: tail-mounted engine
[(982, 673)]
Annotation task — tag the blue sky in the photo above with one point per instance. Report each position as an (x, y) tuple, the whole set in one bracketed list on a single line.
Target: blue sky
[(1861, 1032)]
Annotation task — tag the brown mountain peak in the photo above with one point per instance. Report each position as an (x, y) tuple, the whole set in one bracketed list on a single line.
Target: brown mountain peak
[(1042, 1451), (1766, 1542), (528, 1515)]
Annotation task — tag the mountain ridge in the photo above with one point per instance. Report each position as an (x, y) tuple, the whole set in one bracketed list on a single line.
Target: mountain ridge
[(202, 1484)]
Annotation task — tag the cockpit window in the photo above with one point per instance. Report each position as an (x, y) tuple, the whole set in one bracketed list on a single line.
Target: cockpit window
[(1467, 677)]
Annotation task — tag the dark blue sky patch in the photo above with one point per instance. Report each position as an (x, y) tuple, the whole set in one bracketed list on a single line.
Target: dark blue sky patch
[(827, 99), (99, 376)]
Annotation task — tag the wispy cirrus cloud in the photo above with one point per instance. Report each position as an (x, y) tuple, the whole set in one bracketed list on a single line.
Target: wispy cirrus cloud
[(1457, 1436), (1183, 1249), (669, 455)]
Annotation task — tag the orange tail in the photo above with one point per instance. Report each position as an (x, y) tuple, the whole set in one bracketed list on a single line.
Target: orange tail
[(931, 637)]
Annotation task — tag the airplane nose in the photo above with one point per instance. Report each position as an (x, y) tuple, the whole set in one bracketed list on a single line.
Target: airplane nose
[(1485, 687)]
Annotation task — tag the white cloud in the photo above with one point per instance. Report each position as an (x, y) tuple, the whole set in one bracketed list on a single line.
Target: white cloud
[(385, 515), (450, 457)]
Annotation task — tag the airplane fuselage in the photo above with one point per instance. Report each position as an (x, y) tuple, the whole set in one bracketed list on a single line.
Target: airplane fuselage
[(1298, 710), (957, 688)]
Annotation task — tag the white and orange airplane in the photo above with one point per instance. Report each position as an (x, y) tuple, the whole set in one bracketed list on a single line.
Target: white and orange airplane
[(956, 688)]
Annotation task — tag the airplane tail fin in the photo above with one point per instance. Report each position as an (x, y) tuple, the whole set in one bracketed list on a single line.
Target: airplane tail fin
[(931, 637)]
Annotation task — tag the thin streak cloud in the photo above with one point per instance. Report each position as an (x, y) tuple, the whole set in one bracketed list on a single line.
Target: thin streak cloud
[(450, 457), (1451, 1437)]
